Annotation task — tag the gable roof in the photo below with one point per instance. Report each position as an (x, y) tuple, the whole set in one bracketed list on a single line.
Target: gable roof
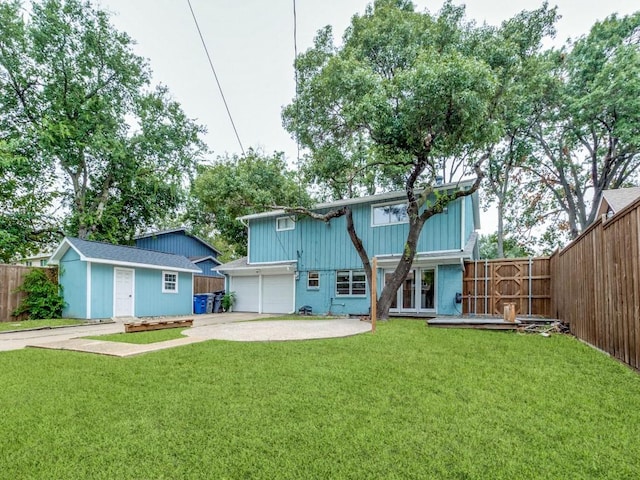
[(121, 255), (177, 230), (381, 197), (205, 257), (618, 198)]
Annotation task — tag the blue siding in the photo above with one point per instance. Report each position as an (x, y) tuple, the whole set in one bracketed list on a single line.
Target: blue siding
[(101, 290), (73, 278), (176, 242), (449, 282), (207, 267), (324, 299), (318, 245), (150, 301)]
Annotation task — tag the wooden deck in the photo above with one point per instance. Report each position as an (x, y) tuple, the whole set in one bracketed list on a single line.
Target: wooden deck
[(485, 322)]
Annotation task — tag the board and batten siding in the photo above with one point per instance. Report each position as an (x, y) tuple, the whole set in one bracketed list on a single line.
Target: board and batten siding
[(101, 290), (326, 246), (72, 276), (177, 243), (151, 301)]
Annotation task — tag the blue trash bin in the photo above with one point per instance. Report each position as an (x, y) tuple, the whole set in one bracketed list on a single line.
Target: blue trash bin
[(199, 304)]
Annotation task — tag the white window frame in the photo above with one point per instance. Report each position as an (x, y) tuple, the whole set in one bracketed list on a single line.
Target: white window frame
[(316, 278), (165, 281), (382, 205), (351, 273), (280, 229)]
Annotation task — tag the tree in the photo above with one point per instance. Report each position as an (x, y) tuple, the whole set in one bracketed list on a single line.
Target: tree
[(511, 247), (115, 150), (588, 136), (404, 96), (240, 185)]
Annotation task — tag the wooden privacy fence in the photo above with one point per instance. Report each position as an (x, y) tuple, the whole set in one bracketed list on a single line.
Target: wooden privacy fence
[(596, 285), (11, 277), (203, 284), (491, 284)]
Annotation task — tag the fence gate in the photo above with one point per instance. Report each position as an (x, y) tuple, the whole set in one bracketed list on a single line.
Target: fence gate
[(490, 284)]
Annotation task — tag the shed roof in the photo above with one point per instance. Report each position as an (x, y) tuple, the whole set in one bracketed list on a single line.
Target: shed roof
[(102, 252)]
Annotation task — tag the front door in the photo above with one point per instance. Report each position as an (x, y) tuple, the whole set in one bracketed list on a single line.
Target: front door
[(417, 293), (123, 292)]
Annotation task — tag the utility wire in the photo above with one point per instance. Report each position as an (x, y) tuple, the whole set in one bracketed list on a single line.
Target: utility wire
[(215, 75)]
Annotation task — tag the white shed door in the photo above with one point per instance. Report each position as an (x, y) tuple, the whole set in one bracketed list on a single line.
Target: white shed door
[(123, 292), (277, 293), (246, 289)]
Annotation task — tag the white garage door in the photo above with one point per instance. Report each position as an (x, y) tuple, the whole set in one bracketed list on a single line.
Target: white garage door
[(277, 293), (246, 289)]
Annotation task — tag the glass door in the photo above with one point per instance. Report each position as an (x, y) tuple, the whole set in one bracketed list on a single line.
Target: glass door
[(408, 291), (417, 293), (428, 289)]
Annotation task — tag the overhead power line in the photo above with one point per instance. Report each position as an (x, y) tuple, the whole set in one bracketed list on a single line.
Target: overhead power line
[(215, 76)]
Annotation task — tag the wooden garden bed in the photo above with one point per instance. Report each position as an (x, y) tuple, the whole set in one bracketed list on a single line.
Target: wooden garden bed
[(145, 326)]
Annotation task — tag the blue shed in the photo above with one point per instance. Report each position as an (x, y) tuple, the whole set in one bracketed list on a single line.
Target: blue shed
[(101, 280)]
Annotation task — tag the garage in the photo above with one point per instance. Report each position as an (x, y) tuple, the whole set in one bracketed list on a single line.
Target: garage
[(277, 293), (246, 289), (274, 292)]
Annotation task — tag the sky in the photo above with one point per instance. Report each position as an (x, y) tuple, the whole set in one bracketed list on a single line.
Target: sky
[(251, 43)]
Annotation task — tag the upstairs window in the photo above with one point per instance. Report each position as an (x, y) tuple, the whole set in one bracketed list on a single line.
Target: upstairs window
[(389, 214), (350, 282), (169, 282), (285, 223)]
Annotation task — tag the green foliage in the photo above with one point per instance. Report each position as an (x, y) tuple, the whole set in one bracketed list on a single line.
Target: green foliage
[(512, 248), (77, 105), (43, 296), (228, 299), (407, 98), (240, 185), (406, 402), (584, 134)]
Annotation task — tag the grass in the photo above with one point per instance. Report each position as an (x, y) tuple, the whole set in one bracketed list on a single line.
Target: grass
[(406, 402), (27, 324), (142, 338)]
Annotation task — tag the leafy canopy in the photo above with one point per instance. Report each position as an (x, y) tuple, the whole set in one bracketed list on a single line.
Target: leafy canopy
[(240, 185), (77, 105)]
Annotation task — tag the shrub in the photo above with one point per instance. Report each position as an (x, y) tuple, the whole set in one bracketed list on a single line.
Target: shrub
[(43, 299)]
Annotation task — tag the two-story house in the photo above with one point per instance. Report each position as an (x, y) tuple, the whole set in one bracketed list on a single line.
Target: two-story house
[(294, 261), (179, 242)]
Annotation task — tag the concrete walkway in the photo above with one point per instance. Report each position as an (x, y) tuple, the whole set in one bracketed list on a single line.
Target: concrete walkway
[(227, 326)]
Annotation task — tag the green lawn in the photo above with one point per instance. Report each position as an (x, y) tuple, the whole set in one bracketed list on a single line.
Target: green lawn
[(406, 402), (26, 324), (141, 338)]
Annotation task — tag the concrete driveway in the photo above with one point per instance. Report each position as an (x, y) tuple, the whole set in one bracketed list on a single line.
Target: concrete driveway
[(227, 326), (20, 339)]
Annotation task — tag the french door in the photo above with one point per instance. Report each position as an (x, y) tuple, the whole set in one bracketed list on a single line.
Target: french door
[(417, 293)]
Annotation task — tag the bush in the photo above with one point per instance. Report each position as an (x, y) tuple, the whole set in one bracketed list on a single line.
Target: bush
[(43, 300)]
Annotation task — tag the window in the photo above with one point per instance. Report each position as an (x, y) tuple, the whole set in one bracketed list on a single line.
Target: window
[(285, 223), (169, 282), (43, 263), (389, 214), (349, 282), (313, 280)]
